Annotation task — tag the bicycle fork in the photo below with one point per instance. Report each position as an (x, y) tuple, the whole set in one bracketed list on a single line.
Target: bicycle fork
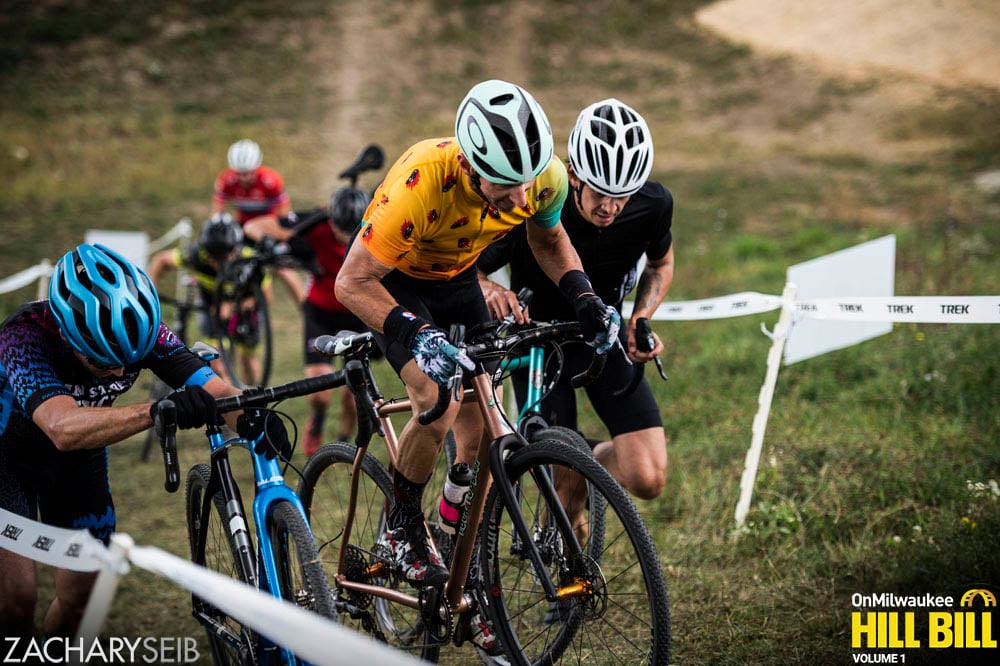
[(235, 524), (522, 533)]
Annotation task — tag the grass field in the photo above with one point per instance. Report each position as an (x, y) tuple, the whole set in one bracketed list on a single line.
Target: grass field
[(120, 119)]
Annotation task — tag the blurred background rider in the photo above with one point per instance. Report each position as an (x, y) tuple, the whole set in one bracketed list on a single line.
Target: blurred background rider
[(318, 238), (255, 192)]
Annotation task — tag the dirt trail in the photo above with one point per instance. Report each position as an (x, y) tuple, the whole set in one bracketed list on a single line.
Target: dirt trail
[(343, 63), (950, 42)]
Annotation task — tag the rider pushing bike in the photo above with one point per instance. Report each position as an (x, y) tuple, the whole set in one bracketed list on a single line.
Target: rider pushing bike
[(413, 275), (63, 363), (615, 216)]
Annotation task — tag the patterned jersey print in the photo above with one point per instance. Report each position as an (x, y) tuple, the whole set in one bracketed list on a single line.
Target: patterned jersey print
[(427, 221), (36, 364)]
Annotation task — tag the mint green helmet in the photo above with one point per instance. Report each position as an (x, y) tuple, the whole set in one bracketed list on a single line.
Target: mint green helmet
[(503, 132)]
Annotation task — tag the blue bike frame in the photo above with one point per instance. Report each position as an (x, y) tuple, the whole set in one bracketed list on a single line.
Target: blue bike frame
[(270, 490)]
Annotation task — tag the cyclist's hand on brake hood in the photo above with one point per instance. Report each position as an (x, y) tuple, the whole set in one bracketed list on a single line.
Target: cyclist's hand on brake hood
[(436, 357), (195, 407), (600, 322)]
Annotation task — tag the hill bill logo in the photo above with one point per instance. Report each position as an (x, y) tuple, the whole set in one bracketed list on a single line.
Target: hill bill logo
[(989, 599), (967, 625)]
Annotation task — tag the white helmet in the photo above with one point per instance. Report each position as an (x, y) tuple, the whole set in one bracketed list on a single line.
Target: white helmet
[(611, 149), (503, 132), (245, 155)]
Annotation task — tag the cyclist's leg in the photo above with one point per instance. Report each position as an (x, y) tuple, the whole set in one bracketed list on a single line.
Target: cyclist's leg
[(406, 536), (81, 499), (636, 454), (18, 594), (72, 591), (18, 586), (315, 364)]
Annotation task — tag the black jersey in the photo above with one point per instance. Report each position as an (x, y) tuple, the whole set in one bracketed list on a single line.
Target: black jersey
[(610, 254)]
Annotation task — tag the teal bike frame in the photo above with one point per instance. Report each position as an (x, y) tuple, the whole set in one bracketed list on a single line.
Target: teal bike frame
[(534, 361)]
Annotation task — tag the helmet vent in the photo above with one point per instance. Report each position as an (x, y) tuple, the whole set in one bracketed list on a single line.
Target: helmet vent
[(500, 100), (533, 137), (603, 131), (131, 326), (106, 273)]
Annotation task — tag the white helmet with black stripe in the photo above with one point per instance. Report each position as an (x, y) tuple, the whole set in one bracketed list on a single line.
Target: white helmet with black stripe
[(611, 149), (503, 132), (245, 155)]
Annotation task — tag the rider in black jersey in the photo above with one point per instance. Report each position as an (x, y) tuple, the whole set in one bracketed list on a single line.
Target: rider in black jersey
[(615, 218)]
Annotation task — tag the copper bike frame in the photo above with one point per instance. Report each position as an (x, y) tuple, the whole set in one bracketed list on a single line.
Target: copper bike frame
[(494, 426)]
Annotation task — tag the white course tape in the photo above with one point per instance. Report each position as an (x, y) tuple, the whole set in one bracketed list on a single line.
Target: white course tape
[(733, 305), (76, 550), (22, 279), (306, 634), (916, 309)]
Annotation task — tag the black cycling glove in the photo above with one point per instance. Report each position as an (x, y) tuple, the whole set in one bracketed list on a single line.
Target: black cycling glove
[(252, 422), (195, 407), (599, 323)]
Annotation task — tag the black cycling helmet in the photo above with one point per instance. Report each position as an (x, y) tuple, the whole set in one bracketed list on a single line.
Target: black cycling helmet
[(220, 235), (347, 208)]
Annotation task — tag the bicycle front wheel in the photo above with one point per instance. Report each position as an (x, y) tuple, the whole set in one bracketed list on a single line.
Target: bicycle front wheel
[(300, 575), (612, 603), (213, 547)]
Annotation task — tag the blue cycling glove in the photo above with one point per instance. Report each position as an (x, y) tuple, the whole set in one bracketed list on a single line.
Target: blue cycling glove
[(436, 357)]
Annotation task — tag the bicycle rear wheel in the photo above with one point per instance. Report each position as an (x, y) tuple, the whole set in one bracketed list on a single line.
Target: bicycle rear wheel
[(244, 328), (213, 547), (613, 606), (325, 493)]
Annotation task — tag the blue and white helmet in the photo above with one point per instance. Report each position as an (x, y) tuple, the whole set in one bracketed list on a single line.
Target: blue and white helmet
[(106, 306)]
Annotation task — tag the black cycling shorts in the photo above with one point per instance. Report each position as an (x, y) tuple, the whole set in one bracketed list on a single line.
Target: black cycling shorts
[(637, 411), (441, 302), (317, 322), (71, 491)]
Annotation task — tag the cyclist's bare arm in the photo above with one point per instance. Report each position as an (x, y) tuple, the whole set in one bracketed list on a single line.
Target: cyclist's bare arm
[(267, 225), (553, 250), (359, 287), (71, 427), (161, 261), (654, 283)]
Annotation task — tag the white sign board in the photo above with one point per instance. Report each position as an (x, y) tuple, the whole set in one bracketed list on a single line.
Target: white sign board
[(133, 245), (868, 269)]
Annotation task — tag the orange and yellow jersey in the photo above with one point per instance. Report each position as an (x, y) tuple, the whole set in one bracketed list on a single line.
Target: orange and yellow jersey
[(426, 220)]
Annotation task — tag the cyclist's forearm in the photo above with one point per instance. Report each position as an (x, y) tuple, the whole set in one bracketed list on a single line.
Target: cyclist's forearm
[(359, 287), (365, 296), (653, 287), (72, 428), (220, 389), (266, 225)]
